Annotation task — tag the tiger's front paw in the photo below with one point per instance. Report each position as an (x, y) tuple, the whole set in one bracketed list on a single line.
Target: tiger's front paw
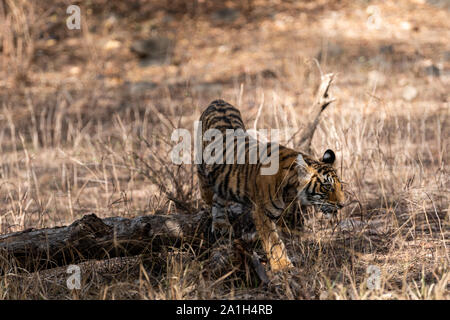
[(281, 264), (278, 258)]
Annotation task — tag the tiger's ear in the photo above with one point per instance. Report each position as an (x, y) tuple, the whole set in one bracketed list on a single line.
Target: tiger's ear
[(329, 157)]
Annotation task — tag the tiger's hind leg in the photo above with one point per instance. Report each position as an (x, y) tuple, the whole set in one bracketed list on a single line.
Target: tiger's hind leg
[(220, 222), (271, 241), (205, 188)]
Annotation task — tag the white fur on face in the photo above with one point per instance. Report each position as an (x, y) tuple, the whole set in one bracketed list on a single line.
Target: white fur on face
[(300, 161), (303, 198), (304, 175)]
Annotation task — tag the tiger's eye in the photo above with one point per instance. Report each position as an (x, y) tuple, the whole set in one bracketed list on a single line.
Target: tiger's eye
[(328, 186)]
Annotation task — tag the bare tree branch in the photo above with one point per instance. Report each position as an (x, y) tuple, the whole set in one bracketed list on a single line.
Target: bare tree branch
[(322, 100)]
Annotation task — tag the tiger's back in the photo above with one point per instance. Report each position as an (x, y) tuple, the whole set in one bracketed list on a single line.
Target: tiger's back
[(236, 181), (220, 177)]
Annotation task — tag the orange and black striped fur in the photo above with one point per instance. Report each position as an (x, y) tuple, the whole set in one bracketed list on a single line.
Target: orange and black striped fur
[(299, 177)]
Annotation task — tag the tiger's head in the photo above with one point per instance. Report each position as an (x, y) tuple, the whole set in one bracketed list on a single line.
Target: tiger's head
[(321, 186)]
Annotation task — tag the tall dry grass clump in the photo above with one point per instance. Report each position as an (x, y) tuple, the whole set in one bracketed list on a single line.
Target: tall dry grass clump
[(19, 25)]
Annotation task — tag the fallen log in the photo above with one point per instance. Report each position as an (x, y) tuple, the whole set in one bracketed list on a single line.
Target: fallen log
[(93, 238)]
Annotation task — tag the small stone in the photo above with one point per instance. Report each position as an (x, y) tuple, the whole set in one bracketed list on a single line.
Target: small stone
[(154, 50), (74, 70), (112, 44), (387, 49), (50, 42), (227, 15), (268, 74), (409, 93), (432, 70), (405, 25), (223, 49)]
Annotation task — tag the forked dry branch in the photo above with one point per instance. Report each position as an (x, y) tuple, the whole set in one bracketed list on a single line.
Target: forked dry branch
[(322, 101)]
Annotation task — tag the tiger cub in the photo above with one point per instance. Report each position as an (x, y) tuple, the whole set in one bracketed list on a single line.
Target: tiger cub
[(298, 177)]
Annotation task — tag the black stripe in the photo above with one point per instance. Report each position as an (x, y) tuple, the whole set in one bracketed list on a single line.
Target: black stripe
[(286, 156), (212, 174), (236, 117), (226, 180), (218, 205), (270, 215), (239, 172), (246, 177), (307, 187), (213, 120), (222, 128), (273, 203), (252, 176)]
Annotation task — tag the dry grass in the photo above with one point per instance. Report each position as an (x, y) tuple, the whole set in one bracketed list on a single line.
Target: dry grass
[(77, 135)]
